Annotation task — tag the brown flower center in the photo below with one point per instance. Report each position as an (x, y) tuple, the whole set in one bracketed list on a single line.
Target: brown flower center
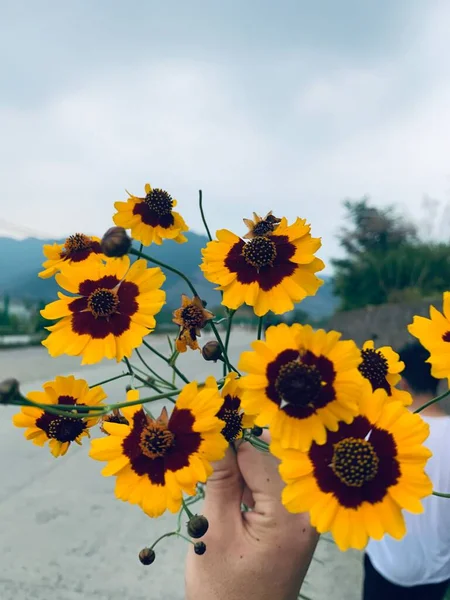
[(192, 316), (299, 384), (77, 243), (374, 367), (354, 461), (159, 201), (263, 228), (156, 440), (260, 252), (65, 429), (233, 424), (103, 302), (446, 336)]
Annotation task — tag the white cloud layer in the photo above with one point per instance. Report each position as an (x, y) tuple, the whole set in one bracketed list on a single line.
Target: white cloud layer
[(295, 134)]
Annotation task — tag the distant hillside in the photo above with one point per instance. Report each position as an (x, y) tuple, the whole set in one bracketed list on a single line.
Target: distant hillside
[(21, 260)]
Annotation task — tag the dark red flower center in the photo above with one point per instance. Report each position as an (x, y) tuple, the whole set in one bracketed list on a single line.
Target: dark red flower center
[(230, 413), (77, 243), (192, 316), (259, 252), (263, 228), (64, 428), (354, 461), (103, 302), (358, 463), (302, 381), (374, 367), (156, 440), (233, 424), (154, 448), (299, 384), (446, 336), (159, 201)]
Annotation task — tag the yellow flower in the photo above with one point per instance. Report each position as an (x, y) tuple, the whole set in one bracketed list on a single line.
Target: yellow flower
[(151, 219), (357, 483), (60, 432), (382, 368), (301, 382), (113, 417), (236, 420), (269, 272), (434, 335), (261, 227), (78, 249), (113, 310), (191, 317), (155, 461)]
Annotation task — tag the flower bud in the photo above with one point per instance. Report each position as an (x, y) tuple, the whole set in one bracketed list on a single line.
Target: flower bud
[(115, 242), (257, 431), (9, 389), (147, 556), (211, 351), (200, 548), (197, 526)]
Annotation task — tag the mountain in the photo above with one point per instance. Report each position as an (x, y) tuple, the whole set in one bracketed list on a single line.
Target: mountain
[(21, 260)]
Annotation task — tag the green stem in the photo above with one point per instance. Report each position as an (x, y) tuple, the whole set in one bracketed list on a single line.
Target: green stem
[(186, 509), (152, 371), (257, 443), (164, 266), (84, 412), (260, 327), (441, 495), (222, 347), (165, 535), (200, 203), (231, 314), (166, 360), (433, 401), (145, 400), (127, 362), (109, 380)]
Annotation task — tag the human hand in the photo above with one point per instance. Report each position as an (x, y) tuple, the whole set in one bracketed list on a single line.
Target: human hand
[(262, 554)]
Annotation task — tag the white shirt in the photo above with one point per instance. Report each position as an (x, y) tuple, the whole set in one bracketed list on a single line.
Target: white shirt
[(423, 555)]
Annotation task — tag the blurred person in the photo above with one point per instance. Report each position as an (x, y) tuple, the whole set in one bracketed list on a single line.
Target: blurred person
[(417, 566)]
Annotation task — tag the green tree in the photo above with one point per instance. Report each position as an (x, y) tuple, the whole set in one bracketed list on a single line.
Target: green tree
[(385, 260)]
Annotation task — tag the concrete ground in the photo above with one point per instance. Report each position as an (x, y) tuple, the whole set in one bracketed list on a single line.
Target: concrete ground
[(64, 536)]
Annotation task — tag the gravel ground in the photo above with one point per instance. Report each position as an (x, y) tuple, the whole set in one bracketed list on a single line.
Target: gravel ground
[(65, 536)]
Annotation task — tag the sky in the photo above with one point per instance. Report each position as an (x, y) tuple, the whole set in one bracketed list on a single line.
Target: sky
[(290, 106)]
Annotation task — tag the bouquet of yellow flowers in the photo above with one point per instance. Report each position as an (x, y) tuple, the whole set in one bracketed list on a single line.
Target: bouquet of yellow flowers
[(351, 453)]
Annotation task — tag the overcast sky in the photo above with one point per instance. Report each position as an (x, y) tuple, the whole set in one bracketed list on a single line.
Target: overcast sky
[(288, 105)]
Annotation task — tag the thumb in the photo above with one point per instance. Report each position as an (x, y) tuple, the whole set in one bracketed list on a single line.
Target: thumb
[(224, 489)]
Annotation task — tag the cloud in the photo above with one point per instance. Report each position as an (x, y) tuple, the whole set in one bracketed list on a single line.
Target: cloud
[(296, 133)]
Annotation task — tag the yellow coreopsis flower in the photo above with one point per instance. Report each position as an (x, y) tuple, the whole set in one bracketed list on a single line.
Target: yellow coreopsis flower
[(271, 271), (152, 218), (357, 483), (156, 460), (192, 317), (434, 335), (301, 383), (59, 431), (382, 367), (78, 249), (235, 419), (114, 307)]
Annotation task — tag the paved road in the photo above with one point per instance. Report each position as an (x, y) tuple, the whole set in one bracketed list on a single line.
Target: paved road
[(64, 536)]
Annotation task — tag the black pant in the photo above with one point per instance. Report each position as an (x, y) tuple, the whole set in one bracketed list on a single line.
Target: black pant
[(376, 587)]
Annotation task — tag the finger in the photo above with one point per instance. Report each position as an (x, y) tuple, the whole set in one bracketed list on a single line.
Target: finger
[(224, 489), (261, 476)]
